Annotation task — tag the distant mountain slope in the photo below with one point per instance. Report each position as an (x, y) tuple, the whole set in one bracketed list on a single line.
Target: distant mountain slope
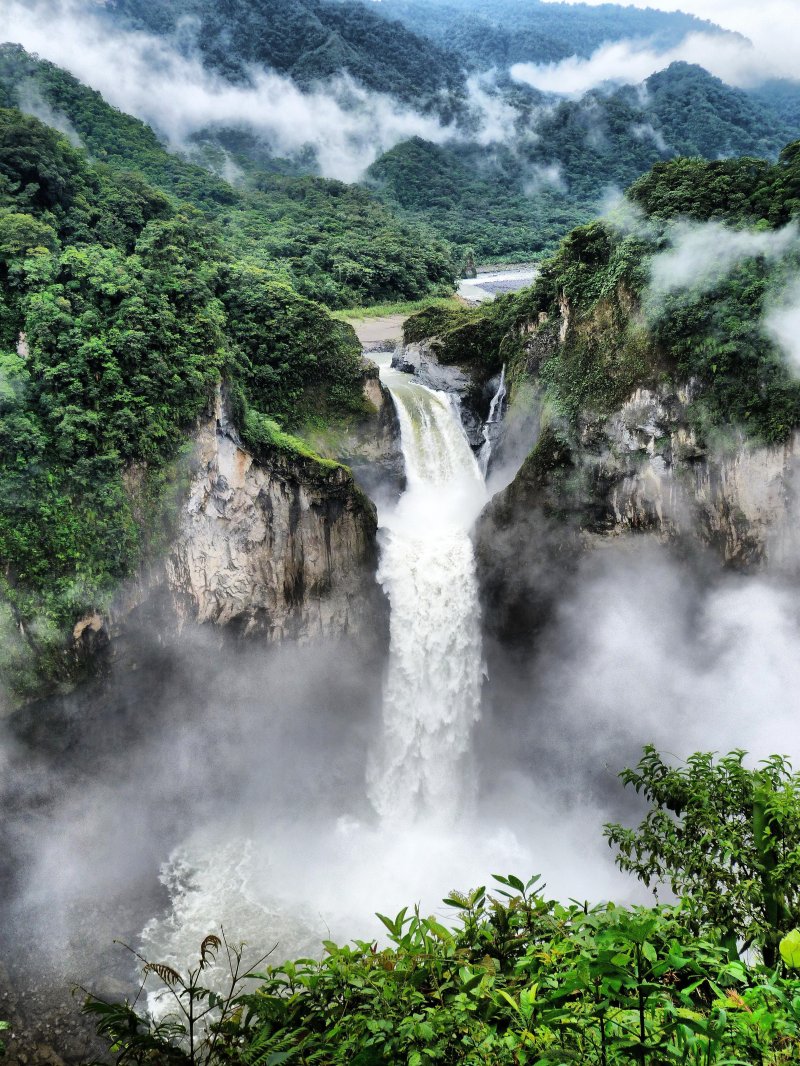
[(782, 97), (513, 172), (335, 243), (567, 157), (499, 209), (611, 138), (308, 40), (501, 32), (699, 114)]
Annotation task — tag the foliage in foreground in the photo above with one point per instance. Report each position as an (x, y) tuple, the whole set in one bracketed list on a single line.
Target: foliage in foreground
[(521, 979)]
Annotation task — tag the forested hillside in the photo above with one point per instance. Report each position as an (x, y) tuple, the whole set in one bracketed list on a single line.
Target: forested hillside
[(121, 310), (488, 33), (333, 242), (568, 156), (500, 171), (635, 316), (308, 40)]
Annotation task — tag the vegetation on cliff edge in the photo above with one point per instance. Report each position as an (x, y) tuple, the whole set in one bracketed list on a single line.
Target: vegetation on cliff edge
[(620, 331), (120, 312)]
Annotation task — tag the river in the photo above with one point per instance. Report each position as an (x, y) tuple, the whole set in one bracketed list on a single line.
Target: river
[(492, 283)]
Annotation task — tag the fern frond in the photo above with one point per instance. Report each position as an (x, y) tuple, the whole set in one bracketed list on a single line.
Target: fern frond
[(209, 949), (163, 972)]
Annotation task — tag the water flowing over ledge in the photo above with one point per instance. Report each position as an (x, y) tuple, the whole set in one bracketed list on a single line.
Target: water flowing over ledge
[(421, 764)]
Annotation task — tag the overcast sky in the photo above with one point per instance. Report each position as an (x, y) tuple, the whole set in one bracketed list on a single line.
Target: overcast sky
[(770, 24), (773, 27)]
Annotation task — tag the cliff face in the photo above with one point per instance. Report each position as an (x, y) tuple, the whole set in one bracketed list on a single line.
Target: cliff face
[(421, 361), (281, 547), (284, 549), (641, 466), (653, 473), (372, 447)]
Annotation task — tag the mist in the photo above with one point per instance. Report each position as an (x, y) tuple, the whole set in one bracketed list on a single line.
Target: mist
[(782, 324), (700, 256), (771, 25), (205, 783), (347, 126), (143, 75), (696, 257), (628, 62), (238, 778)]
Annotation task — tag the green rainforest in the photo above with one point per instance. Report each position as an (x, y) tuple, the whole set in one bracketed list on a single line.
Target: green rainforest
[(329, 587)]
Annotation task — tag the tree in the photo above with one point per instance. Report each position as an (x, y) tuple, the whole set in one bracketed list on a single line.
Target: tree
[(725, 838)]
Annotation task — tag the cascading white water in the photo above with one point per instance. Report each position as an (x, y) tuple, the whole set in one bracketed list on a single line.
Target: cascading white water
[(433, 688), (495, 416), (287, 888)]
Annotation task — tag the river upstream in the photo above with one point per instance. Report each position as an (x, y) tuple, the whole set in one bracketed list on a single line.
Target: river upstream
[(491, 283)]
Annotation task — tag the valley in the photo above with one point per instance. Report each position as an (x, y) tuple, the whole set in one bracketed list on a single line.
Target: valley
[(399, 435)]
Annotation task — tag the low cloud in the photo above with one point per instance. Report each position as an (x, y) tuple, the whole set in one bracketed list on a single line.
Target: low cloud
[(701, 256), (33, 103), (346, 125), (497, 119), (644, 131), (545, 176), (782, 325), (633, 60), (772, 26)]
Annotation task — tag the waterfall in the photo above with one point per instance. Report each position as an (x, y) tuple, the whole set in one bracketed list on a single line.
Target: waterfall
[(495, 416), (293, 878), (433, 687)]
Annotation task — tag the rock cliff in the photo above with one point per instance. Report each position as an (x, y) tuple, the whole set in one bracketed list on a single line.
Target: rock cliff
[(285, 548), (371, 448), (421, 361), (642, 465), (653, 473), (279, 546)]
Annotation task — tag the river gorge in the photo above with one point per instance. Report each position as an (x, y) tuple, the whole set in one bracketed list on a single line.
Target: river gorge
[(354, 705)]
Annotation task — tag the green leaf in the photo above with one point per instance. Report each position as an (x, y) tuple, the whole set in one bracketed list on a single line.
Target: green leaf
[(790, 949)]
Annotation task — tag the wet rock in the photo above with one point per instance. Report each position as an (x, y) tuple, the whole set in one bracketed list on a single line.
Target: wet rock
[(285, 548)]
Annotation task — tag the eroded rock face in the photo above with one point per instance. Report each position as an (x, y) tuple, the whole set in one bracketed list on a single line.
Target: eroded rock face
[(653, 474), (641, 470), (279, 548), (420, 360), (372, 448), (285, 549)]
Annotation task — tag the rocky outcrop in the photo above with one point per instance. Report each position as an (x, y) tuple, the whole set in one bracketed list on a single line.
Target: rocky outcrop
[(641, 470), (278, 547), (371, 447), (284, 548), (421, 361), (650, 471)]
